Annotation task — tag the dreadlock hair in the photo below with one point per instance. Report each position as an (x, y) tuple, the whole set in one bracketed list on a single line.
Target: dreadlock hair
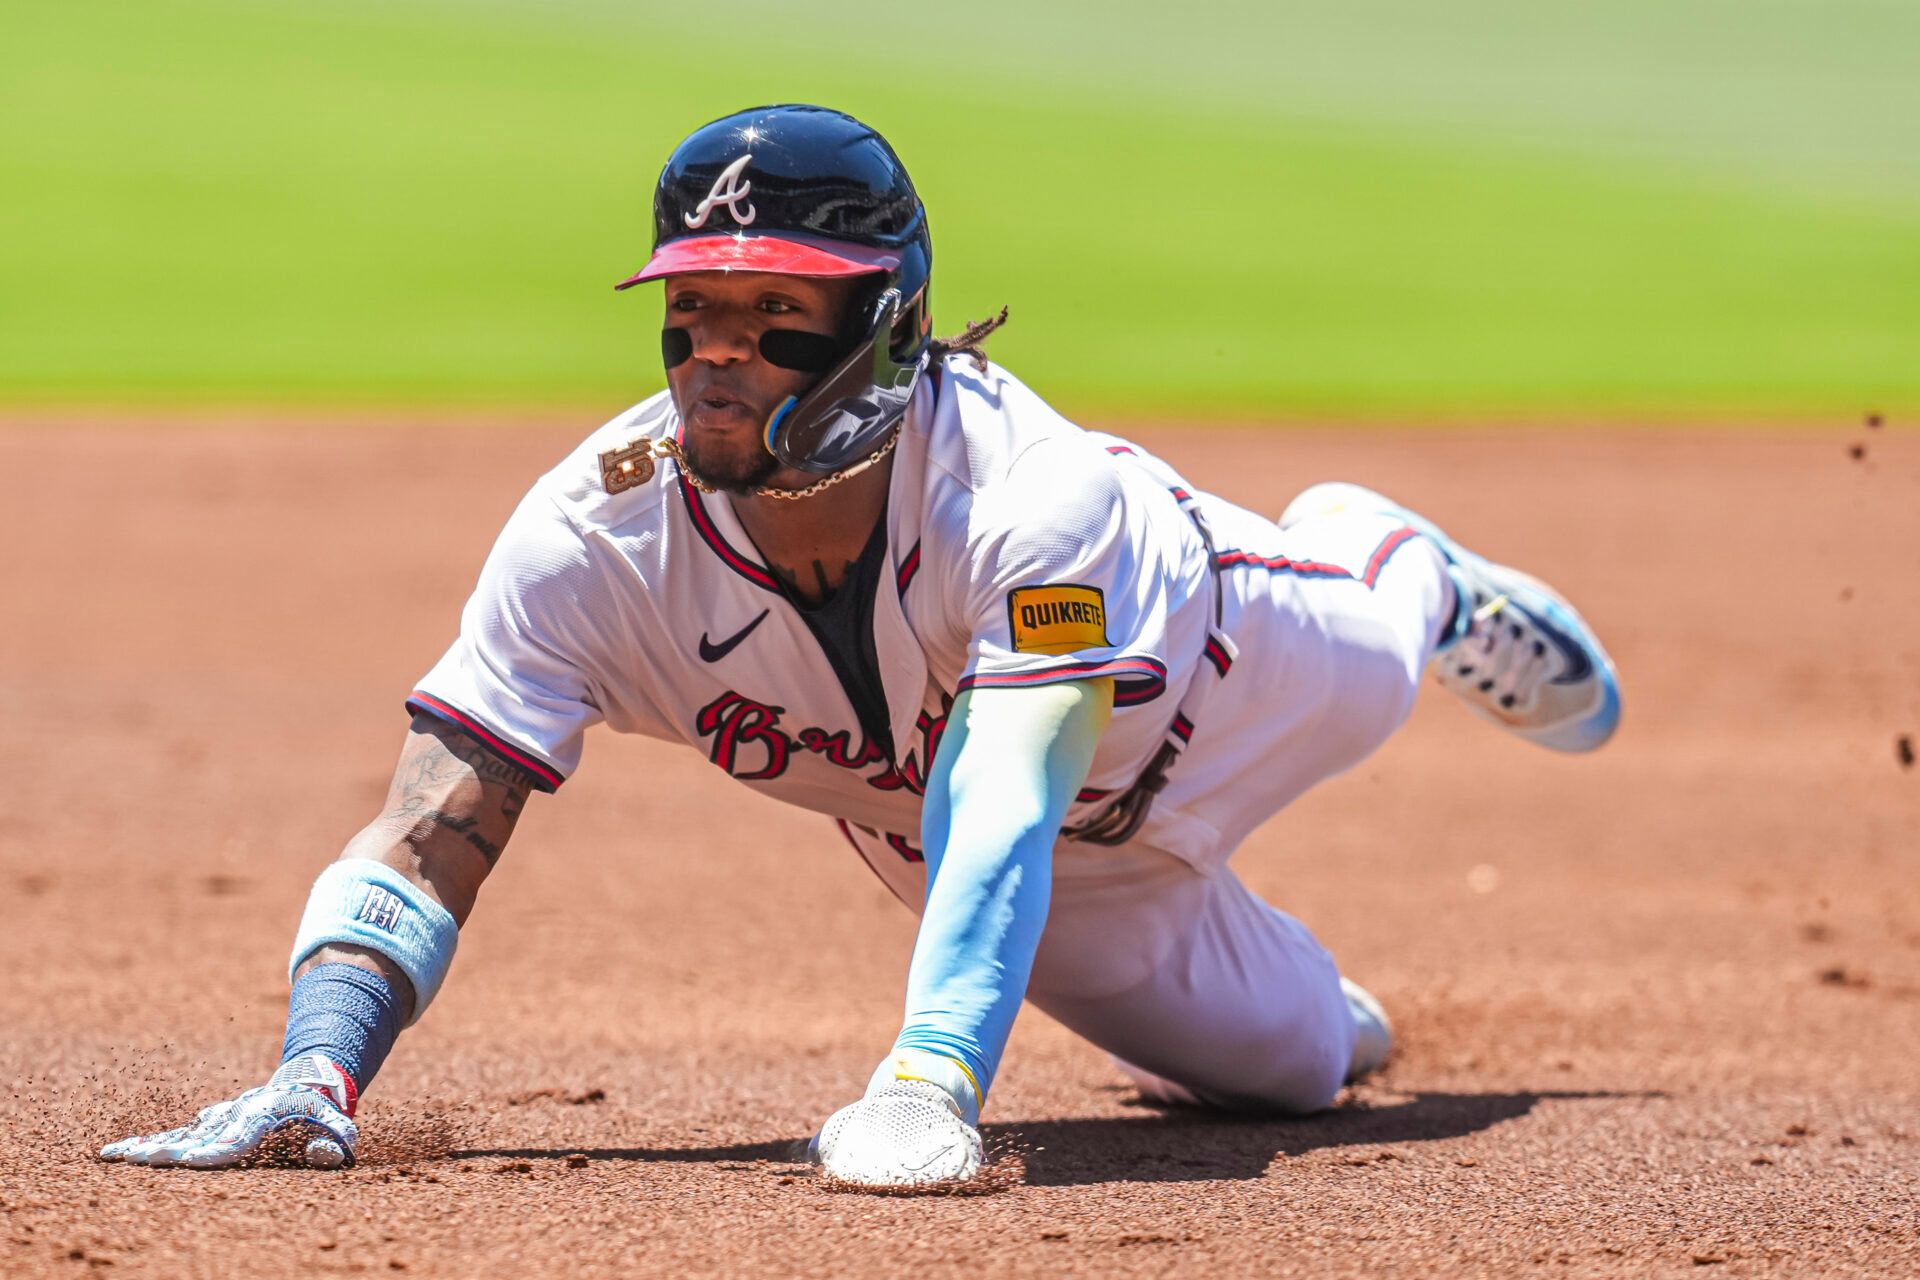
[(968, 341)]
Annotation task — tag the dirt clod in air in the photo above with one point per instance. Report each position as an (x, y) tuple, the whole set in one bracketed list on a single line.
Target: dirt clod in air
[(400, 1137)]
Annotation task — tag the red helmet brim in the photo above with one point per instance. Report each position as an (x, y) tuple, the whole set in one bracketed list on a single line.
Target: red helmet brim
[(786, 255)]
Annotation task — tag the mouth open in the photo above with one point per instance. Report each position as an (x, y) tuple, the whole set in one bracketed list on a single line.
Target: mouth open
[(719, 409)]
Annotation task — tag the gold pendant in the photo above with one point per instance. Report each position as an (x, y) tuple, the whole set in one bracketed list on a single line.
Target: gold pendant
[(627, 467)]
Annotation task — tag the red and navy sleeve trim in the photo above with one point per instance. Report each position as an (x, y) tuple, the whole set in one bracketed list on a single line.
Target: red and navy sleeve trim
[(545, 776), (1135, 680), (1135, 692)]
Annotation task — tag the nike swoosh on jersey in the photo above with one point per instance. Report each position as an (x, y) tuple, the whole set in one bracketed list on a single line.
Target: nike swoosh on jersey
[(711, 652)]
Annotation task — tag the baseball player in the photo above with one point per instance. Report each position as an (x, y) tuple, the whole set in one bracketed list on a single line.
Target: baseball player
[(1042, 685)]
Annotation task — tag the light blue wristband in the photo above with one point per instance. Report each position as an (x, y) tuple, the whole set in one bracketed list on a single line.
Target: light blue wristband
[(369, 904)]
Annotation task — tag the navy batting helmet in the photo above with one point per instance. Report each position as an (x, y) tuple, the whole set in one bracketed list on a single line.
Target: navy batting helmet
[(804, 191)]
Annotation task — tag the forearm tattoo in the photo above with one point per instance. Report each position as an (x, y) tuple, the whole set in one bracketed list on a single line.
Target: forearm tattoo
[(441, 768), (469, 828)]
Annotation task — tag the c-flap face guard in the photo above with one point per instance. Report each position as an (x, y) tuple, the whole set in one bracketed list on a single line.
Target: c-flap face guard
[(847, 414)]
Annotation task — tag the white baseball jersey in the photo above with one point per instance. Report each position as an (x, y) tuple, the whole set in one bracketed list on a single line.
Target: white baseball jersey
[(1021, 550)]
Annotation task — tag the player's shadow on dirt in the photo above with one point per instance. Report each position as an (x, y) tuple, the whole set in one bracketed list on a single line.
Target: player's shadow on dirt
[(1173, 1145), (1192, 1145)]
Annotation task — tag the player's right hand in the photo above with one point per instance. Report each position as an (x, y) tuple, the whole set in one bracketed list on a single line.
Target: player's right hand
[(300, 1117)]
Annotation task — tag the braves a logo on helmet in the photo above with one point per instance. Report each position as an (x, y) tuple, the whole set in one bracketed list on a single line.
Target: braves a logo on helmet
[(728, 190)]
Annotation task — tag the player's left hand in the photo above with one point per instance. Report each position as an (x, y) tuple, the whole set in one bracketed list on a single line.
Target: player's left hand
[(907, 1131), (297, 1103)]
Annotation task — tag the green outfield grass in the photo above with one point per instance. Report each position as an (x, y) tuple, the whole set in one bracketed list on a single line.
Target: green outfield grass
[(1375, 209)]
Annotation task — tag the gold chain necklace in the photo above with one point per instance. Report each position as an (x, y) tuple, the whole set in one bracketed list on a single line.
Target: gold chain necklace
[(671, 449)]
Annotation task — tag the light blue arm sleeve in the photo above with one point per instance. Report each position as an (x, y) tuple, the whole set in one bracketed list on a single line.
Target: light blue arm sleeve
[(1009, 765)]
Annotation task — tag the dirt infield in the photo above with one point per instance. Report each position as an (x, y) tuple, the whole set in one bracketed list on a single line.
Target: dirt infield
[(1660, 1008)]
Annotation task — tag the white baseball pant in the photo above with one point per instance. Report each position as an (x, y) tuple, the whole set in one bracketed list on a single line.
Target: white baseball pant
[(1180, 971)]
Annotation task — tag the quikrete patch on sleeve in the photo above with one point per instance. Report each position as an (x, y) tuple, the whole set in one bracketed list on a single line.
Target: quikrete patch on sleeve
[(1057, 619)]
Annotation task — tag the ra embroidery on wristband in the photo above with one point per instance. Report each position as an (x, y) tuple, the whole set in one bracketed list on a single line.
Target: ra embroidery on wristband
[(364, 903)]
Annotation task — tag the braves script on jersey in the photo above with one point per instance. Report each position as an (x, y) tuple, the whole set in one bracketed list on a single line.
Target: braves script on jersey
[(1021, 550)]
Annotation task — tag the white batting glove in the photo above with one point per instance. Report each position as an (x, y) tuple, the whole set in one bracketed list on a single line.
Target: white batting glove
[(915, 1126), (308, 1098)]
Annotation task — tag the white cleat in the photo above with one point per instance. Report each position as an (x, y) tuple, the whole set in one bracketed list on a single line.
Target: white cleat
[(1524, 658), (1372, 1032)]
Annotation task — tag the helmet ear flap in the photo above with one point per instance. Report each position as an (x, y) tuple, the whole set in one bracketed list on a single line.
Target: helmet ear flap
[(912, 329), (849, 411)]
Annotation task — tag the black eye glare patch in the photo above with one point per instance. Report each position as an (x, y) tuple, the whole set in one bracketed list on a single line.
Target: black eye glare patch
[(793, 349), (676, 347), (801, 351)]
